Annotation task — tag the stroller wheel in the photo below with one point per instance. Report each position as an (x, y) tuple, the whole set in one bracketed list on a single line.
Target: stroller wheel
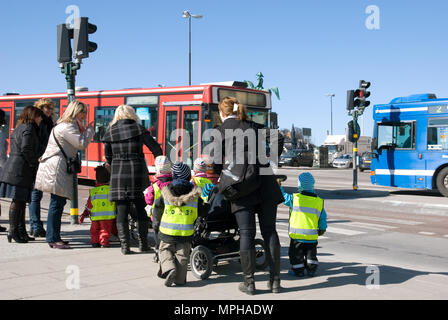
[(260, 254), (201, 262)]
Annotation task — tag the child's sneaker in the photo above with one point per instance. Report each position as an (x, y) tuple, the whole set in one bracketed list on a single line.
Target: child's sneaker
[(296, 273), (96, 245)]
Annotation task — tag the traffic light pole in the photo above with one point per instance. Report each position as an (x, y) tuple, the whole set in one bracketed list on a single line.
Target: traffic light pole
[(355, 153), (69, 69)]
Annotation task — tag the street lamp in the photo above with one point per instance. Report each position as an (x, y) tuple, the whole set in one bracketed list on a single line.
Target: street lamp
[(331, 95), (188, 16)]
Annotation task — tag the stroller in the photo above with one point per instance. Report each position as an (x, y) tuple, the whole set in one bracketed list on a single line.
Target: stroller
[(216, 238)]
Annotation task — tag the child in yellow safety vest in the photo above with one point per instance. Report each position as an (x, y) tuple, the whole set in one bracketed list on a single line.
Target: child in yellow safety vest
[(307, 221), (200, 178), (154, 191), (102, 212), (174, 215)]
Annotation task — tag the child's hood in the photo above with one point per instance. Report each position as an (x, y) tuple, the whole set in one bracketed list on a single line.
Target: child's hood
[(167, 194)]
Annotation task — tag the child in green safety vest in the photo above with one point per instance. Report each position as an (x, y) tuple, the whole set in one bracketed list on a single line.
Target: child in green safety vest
[(102, 212), (174, 215), (307, 221), (154, 191), (200, 178)]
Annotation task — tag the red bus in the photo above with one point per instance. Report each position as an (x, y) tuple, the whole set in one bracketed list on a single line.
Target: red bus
[(161, 110)]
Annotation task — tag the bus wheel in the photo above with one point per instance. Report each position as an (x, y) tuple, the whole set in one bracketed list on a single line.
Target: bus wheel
[(442, 181)]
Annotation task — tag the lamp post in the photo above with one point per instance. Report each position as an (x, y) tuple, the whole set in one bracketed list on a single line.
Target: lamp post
[(331, 95), (188, 16)]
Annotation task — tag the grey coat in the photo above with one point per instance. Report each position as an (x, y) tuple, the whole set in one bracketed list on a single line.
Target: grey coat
[(52, 176), (123, 150)]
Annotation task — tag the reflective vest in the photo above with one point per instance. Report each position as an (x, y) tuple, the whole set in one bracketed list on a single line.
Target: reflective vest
[(157, 194), (201, 182), (102, 208), (179, 221), (304, 219)]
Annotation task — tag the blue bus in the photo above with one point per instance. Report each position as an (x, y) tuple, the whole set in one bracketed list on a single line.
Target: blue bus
[(411, 143)]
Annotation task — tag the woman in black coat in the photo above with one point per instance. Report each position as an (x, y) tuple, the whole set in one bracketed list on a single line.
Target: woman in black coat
[(123, 149), (262, 200), (19, 171)]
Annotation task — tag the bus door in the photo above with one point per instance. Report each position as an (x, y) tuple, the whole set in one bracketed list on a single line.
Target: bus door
[(9, 126), (190, 146), (171, 136), (398, 163)]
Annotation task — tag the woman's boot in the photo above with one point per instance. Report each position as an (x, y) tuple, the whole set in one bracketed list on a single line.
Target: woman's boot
[(13, 233), (274, 266), (142, 226), (22, 227), (248, 266), (123, 235)]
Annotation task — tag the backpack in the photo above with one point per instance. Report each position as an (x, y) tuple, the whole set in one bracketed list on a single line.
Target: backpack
[(240, 180)]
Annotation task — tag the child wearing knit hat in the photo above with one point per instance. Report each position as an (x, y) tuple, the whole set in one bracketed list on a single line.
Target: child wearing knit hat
[(307, 221), (154, 191), (175, 213)]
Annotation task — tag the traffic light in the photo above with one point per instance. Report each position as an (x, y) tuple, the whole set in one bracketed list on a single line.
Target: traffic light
[(82, 45), (354, 131), (350, 100), (361, 94), (64, 45)]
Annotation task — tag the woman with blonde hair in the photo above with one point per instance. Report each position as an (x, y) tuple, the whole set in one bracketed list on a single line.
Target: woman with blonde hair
[(47, 106), (123, 148), (260, 196), (52, 176)]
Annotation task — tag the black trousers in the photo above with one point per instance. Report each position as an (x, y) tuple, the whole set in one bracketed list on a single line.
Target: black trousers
[(303, 256), (267, 216), (124, 207)]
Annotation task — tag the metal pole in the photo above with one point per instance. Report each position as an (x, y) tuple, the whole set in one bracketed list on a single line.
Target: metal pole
[(189, 51), (331, 111), (355, 153), (69, 70)]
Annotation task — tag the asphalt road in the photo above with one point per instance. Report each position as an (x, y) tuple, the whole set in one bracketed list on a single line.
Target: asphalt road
[(381, 243)]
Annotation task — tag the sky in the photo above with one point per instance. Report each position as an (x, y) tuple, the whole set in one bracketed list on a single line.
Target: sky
[(305, 48)]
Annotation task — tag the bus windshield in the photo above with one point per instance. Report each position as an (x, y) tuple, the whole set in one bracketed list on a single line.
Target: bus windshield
[(396, 135)]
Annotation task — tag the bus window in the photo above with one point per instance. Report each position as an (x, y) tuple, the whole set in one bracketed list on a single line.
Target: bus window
[(438, 134), (396, 135), (103, 116), (171, 126), (148, 118), (19, 106), (260, 117)]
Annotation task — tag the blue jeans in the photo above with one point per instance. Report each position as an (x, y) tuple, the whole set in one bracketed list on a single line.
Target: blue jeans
[(55, 211), (34, 208)]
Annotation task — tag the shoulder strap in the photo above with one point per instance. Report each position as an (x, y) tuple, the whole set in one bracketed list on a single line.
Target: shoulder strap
[(57, 142)]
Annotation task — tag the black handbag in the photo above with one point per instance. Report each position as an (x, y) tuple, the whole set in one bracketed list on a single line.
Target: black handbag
[(73, 164)]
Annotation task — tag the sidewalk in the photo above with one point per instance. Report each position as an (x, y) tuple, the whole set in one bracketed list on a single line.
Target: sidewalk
[(35, 271)]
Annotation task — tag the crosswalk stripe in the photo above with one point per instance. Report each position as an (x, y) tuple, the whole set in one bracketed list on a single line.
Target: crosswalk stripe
[(347, 232), (390, 220), (426, 233), (371, 226)]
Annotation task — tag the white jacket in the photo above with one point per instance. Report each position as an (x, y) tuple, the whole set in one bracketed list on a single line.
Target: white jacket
[(52, 176)]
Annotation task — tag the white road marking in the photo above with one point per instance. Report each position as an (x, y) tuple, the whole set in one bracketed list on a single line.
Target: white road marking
[(347, 232), (390, 220), (426, 233), (371, 226)]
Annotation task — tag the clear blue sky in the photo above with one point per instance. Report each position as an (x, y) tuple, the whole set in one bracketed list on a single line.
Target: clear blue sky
[(306, 48)]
